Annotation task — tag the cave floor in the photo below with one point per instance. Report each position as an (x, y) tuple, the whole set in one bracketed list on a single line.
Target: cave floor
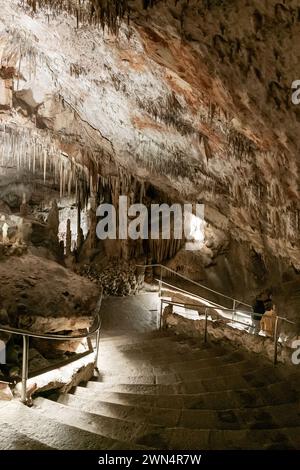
[(157, 390), (129, 314)]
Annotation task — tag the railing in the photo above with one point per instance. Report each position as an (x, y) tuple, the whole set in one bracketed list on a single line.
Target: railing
[(26, 334), (225, 311), (278, 320), (210, 305), (234, 301), (206, 311)]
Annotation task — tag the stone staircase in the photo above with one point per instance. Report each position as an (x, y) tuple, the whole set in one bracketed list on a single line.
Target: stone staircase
[(161, 391)]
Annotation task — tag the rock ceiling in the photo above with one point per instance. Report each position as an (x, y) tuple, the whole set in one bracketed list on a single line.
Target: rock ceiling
[(192, 96)]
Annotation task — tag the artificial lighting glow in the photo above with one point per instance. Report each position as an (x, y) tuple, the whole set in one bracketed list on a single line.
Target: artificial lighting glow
[(194, 226)]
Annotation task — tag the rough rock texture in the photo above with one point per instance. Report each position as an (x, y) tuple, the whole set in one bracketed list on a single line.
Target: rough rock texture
[(193, 96), (63, 378), (5, 391), (117, 278), (219, 332), (43, 296)]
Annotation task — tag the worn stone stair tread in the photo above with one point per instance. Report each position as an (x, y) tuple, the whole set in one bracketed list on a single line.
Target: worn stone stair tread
[(12, 439), (162, 391), (169, 378), (169, 343), (158, 358), (168, 366), (164, 347), (50, 431), (252, 439), (191, 369), (164, 417), (154, 436), (254, 379), (207, 371), (222, 384), (113, 428), (272, 415), (274, 394), (126, 338), (165, 361)]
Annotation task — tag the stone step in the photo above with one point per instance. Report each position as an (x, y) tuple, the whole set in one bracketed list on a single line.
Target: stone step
[(190, 382), (272, 416), (214, 371), (161, 344), (12, 439), (154, 436), (93, 404), (140, 366), (128, 339), (166, 362), (252, 439), (274, 394), (113, 428), (220, 383), (51, 431), (159, 357)]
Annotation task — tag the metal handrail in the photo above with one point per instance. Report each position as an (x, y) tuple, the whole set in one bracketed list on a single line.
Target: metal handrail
[(196, 307), (26, 334), (161, 266), (214, 304), (286, 319), (208, 307), (216, 309)]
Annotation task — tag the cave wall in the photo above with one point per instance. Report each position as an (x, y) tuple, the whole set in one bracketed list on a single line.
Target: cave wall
[(193, 98)]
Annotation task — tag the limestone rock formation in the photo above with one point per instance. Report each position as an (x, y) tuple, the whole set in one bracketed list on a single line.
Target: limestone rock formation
[(189, 100), (43, 296)]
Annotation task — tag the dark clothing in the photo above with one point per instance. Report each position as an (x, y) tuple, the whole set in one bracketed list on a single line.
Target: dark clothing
[(258, 310), (268, 304)]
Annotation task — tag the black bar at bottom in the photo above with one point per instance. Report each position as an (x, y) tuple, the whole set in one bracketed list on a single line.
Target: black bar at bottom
[(136, 459)]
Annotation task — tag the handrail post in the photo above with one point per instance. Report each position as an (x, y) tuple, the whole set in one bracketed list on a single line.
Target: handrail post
[(276, 329), (205, 326), (160, 280), (233, 309), (25, 368), (97, 348), (160, 314)]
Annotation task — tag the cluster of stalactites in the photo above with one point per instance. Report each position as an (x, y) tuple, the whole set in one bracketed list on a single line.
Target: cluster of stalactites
[(106, 13), (160, 250), (22, 150)]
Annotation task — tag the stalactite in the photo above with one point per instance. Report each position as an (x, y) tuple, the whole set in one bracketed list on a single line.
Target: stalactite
[(107, 13), (24, 210), (25, 150), (45, 164), (53, 221), (92, 222), (79, 230)]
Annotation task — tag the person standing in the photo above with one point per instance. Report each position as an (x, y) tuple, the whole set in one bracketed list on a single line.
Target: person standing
[(257, 314), (268, 322)]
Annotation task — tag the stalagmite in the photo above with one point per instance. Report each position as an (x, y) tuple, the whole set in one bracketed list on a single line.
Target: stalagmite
[(60, 181), (68, 238), (53, 222), (149, 270), (93, 223), (45, 164), (5, 237), (80, 237), (24, 210)]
